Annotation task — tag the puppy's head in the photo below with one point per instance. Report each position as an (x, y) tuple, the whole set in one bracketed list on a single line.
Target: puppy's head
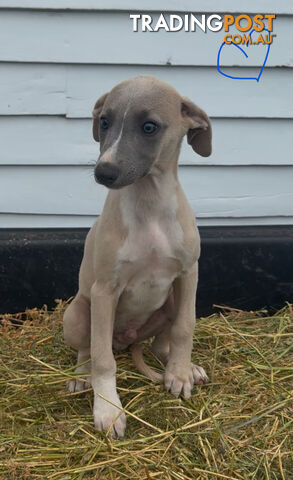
[(140, 124)]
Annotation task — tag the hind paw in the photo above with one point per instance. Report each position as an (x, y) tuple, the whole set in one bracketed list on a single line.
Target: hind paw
[(199, 375), (76, 385)]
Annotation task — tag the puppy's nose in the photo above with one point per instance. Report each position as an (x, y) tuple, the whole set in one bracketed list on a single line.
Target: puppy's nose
[(106, 173)]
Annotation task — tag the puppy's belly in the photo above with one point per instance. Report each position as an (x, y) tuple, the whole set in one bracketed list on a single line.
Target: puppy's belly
[(140, 299)]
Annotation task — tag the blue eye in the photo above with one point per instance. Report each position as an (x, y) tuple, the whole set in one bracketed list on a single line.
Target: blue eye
[(104, 124), (149, 127)]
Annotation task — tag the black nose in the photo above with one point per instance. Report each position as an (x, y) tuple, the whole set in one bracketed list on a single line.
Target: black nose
[(106, 173)]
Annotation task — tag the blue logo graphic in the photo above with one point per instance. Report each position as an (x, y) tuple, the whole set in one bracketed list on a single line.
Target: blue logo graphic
[(244, 53)]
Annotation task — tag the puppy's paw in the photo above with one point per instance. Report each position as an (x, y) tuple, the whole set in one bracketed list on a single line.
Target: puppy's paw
[(199, 375), (108, 418), (76, 385), (179, 381)]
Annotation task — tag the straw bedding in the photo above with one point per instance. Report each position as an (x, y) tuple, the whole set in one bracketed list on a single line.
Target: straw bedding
[(239, 426)]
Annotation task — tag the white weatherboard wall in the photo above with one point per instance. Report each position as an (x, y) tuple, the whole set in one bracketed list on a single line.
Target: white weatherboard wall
[(58, 56)]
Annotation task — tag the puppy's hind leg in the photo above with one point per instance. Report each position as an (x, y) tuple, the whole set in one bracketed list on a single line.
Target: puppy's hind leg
[(161, 345), (76, 327)]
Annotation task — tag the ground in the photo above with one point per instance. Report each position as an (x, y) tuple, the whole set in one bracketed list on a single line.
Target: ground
[(239, 426)]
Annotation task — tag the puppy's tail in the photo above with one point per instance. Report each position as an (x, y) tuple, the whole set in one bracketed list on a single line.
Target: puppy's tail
[(137, 357)]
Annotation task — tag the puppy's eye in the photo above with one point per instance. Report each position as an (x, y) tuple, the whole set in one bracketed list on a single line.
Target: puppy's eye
[(149, 127), (104, 124)]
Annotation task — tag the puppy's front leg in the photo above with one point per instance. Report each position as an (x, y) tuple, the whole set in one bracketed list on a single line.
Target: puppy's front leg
[(106, 415), (181, 374)]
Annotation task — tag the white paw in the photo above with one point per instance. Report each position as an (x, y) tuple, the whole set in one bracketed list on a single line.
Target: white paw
[(179, 380), (76, 385), (199, 375), (109, 418)]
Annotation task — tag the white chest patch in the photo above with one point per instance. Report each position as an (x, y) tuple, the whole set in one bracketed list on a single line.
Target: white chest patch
[(147, 262), (146, 241), (153, 229)]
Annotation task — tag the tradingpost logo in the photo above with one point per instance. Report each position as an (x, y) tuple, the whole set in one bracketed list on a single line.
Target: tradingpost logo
[(214, 23), (239, 30)]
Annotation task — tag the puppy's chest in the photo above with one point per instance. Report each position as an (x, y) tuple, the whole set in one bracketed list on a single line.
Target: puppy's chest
[(147, 264), (153, 244)]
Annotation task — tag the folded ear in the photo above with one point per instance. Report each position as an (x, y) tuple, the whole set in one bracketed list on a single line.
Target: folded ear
[(96, 116), (199, 133)]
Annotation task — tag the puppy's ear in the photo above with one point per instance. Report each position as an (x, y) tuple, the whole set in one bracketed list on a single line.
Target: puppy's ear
[(96, 116), (199, 133)]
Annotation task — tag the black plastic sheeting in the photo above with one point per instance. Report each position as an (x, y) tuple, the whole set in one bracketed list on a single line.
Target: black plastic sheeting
[(243, 267)]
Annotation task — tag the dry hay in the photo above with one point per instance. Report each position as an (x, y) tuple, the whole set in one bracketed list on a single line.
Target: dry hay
[(237, 427)]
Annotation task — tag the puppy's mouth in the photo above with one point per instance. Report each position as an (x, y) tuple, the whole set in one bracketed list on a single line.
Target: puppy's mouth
[(112, 177), (106, 174), (113, 184), (106, 182)]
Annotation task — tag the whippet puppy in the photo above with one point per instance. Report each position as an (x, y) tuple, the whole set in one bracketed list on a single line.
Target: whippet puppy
[(138, 276)]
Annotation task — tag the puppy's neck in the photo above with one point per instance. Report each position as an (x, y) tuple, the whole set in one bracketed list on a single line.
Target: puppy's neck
[(151, 197)]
